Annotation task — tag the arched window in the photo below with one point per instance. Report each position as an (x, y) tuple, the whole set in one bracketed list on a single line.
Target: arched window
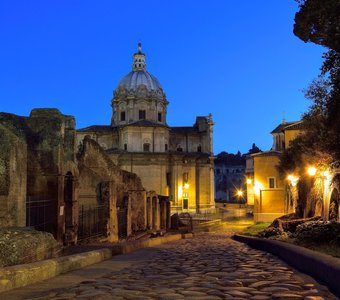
[(122, 115), (146, 147), (142, 114), (199, 148), (179, 148)]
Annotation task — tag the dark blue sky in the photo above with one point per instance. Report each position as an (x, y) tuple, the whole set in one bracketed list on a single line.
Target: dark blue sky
[(238, 60)]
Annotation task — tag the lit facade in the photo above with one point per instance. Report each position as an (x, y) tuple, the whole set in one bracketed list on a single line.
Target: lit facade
[(265, 187), (175, 162)]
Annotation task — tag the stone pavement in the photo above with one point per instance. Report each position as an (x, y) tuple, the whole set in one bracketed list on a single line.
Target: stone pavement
[(210, 266)]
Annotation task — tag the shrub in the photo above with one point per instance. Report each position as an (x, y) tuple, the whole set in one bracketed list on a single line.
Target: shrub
[(318, 231)]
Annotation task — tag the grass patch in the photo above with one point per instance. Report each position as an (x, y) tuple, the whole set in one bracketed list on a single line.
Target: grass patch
[(332, 250), (255, 229)]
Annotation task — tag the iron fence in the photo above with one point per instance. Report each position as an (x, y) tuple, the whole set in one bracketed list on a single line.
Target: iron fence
[(39, 213), (93, 222)]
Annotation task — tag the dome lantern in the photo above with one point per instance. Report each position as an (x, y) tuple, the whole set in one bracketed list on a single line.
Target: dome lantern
[(139, 60)]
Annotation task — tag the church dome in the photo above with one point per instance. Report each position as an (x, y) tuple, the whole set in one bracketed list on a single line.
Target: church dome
[(140, 77), (139, 83), (139, 96)]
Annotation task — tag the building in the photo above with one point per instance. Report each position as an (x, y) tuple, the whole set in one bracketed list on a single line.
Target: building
[(175, 162), (75, 193), (230, 178), (265, 188)]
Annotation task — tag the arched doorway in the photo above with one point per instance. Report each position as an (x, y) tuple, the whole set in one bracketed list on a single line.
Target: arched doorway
[(334, 206), (122, 211)]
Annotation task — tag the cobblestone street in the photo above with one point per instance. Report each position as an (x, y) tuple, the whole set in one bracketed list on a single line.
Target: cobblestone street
[(210, 266)]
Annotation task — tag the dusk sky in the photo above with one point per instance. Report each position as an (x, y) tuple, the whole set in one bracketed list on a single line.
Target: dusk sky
[(238, 60)]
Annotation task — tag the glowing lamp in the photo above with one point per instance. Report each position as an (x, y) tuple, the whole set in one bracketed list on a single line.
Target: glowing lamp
[(311, 171), (293, 180), (257, 187), (326, 175), (186, 185), (239, 193), (248, 181)]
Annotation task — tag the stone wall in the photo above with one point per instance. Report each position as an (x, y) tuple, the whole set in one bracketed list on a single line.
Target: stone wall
[(138, 210), (95, 168), (13, 176), (38, 173)]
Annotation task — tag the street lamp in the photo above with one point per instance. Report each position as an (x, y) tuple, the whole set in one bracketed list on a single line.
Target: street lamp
[(311, 171), (293, 180)]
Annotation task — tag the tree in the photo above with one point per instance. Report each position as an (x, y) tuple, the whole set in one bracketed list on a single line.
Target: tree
[(318, 21), (254, 149)]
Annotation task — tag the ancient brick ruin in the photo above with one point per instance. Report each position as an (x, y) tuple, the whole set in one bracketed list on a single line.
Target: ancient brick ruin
[(48, 182)]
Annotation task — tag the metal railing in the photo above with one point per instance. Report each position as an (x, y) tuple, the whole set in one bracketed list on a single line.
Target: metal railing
[(39, 213), (93, 222)]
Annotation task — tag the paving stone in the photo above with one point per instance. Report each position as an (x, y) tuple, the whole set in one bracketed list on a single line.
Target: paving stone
[(273, 289), (237, 293), (262, 283), (285, 296), (260, 297), (312, 292), (193, 294), (291, 287)]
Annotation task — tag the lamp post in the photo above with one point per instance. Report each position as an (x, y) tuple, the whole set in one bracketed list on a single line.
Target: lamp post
[(239, 194)]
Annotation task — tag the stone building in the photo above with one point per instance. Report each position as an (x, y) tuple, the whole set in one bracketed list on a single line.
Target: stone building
[(266, 189), (174, 162), (40, 160), (230, 179), (49, 183)]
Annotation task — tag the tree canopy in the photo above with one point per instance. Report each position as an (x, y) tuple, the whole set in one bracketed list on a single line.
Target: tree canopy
[(318, 21)]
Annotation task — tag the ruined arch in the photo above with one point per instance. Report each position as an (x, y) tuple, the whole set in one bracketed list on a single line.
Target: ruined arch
[(334, 205)]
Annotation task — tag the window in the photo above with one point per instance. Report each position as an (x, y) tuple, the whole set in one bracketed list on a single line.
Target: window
[(272, 182), (179, 148), (199, 148), (166, 147), (122, 115), (185, 203), (185, 195), (185, 177), (159, 117), (168, 179), (146, 147), (125, 147), (142, 115)]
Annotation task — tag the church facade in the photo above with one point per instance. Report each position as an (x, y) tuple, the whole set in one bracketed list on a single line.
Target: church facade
[(175, 162)]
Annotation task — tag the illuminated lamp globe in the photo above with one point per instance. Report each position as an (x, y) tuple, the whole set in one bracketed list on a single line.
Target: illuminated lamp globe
[(311, 171)]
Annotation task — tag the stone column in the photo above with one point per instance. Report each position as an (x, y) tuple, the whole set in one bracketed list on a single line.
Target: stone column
[(113, 220)]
